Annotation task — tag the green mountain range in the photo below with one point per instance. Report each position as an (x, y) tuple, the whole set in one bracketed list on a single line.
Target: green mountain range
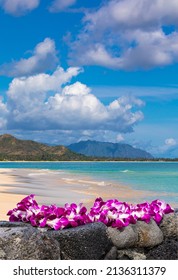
[(108, 150), (13, 149)]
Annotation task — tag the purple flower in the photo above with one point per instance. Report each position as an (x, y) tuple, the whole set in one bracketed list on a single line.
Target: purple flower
[(58, 223), (112, 213), (24, 210)]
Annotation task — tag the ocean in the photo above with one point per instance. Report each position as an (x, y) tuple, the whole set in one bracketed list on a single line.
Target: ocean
[(160, 177)]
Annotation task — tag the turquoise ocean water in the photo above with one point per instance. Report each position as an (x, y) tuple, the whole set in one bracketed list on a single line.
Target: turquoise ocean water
[(160, 177)]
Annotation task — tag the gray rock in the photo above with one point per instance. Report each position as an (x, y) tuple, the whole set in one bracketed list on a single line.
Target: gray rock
[(89, 242), (7, 224), (130, 254), (169, 225), (22, 241), (168, 250), (92, 241), (149, 235), (112, 254), (124, 238)]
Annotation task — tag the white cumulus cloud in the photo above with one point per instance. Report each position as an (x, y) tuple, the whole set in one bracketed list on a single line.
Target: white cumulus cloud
[(19, 7), (128, 34), (76, 89), (44, 57), (133, 14), (47, 102), (42, 82), (27, 97)]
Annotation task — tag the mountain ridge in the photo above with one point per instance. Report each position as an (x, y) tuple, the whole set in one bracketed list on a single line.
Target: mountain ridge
[(12, 149), (108, 150)]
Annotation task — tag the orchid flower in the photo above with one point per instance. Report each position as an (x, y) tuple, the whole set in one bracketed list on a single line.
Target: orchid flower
[(112, 213)]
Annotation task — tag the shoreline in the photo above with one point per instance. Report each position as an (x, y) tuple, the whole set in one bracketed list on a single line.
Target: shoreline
[(60, 187), (144, 161)]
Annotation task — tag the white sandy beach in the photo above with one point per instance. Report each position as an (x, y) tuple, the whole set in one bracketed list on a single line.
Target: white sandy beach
[(55, 187)]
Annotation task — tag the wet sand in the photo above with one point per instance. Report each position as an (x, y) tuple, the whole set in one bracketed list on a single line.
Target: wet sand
[(55, 187)]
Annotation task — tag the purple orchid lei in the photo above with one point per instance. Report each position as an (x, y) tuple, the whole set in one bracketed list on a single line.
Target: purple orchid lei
[(112, 213)]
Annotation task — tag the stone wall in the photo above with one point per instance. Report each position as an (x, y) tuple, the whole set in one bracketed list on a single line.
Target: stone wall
[(93, 241)]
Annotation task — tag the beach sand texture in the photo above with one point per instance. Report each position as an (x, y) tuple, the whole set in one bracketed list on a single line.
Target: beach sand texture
[(58, 188)]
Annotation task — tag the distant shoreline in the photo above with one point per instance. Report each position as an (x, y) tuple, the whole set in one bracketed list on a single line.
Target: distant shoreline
[(145, 161)]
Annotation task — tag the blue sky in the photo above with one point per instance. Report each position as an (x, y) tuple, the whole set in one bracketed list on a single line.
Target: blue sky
[(74, 70)]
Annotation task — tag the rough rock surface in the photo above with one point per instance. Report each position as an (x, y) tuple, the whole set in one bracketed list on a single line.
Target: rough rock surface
[(112, 254), (139, 235), (169, 225), (149, 235), (93, 241), (124, 238), (168, 250), (22, 241), (131, 254), (85, 242)]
